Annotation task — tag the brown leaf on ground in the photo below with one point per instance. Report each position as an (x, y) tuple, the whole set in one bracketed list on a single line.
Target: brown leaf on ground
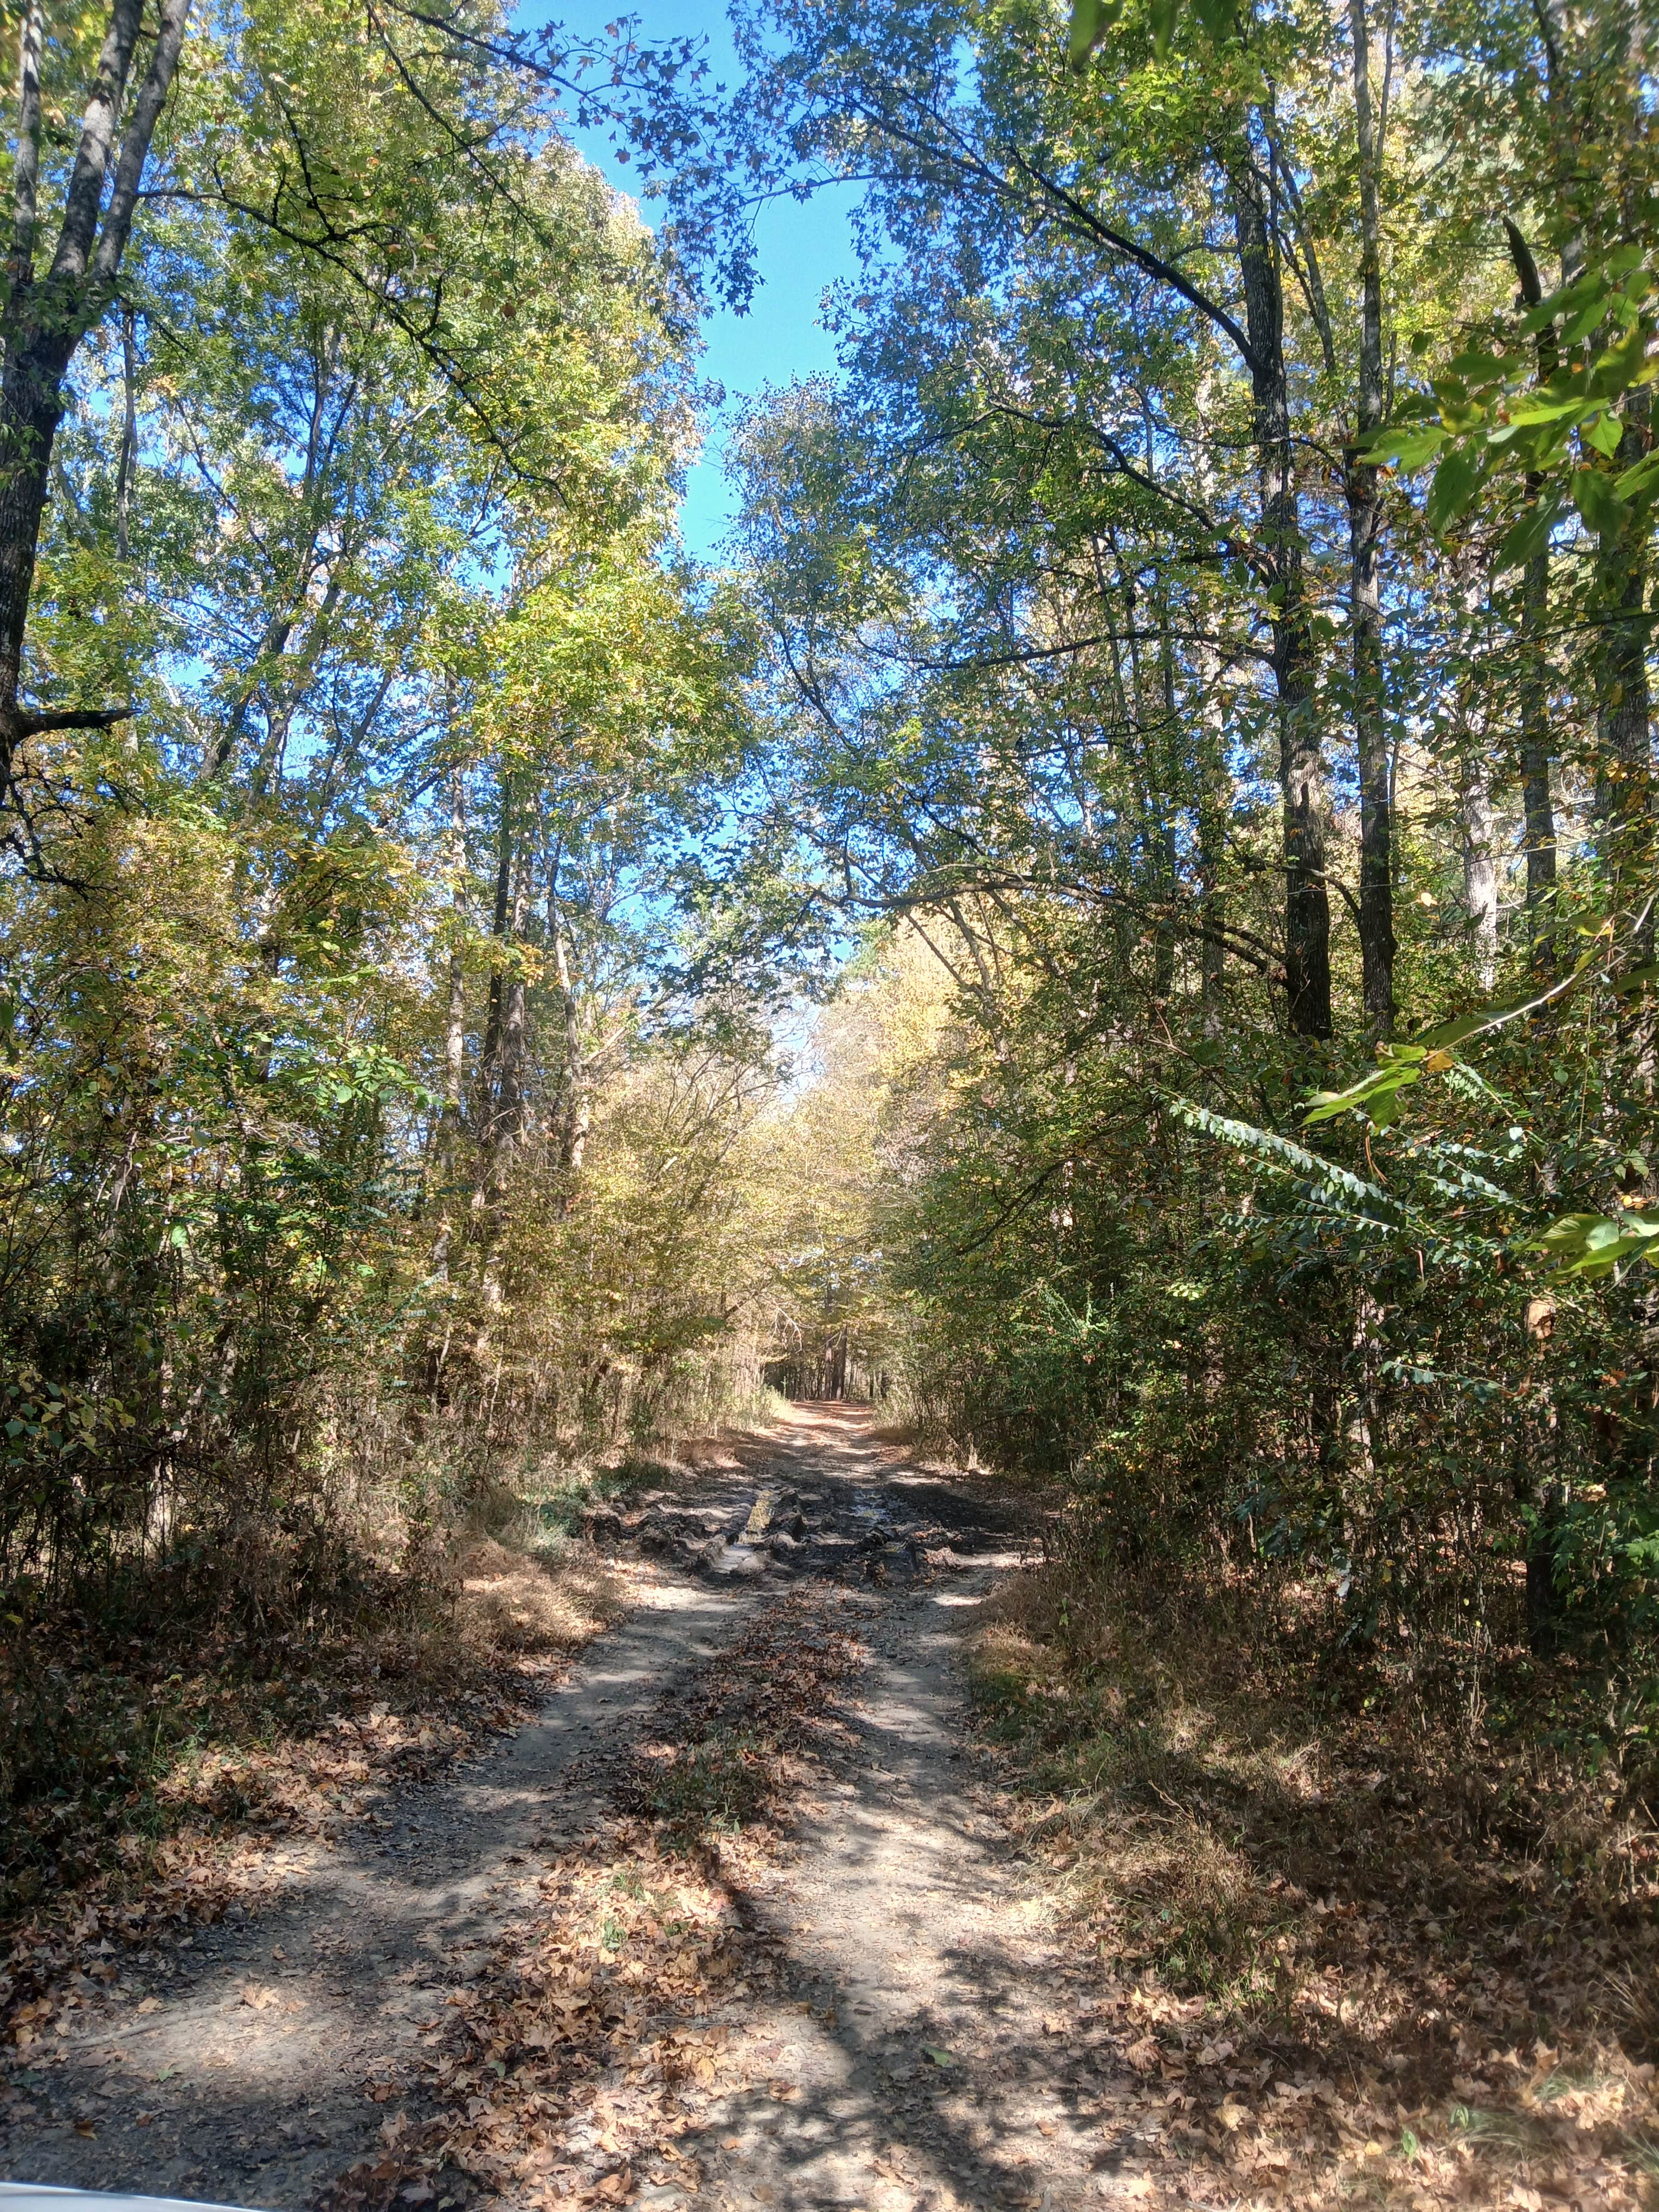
[(637, 1938)]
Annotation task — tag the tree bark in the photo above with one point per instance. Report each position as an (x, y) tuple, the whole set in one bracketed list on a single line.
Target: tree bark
[(449, 1127), (1624, 767), (490, 1186), (572, 1118), (1307, 905), (1376, 939), (510, 1103), (129, 436), (1214, 799), (1537, 804), (45, 319), (1479, 864)]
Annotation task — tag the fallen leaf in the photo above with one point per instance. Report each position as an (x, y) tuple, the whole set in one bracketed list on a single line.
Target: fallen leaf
[(938, 2058), (149, 2004)]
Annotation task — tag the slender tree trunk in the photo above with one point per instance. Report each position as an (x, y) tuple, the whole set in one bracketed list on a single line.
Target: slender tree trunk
[(1538, 807), (1377, 939), (129, 436), (1624, 765), (489, 1058), (1214, 800), (449, 1127), (1473, 765), (572, 1114), (1479, 863), (1166, 783), (1537, 804), (515, 1016), (1302, 770), (489, 1189)]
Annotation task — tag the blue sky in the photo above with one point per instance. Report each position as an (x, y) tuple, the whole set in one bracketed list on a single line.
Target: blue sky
[(801, 250)]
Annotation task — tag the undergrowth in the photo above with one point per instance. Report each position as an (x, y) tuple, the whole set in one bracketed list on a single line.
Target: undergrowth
[(1426, 1941), (146, 1730)]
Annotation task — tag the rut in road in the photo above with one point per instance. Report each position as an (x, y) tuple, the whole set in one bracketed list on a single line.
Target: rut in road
[(901, 2052)]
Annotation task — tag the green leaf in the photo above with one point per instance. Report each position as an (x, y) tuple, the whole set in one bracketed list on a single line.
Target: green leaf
[(1162, 16), (1377, 1088), (1640, 479), (1479, 367), (1531, 535), (1088, 27), (1590, 291), (938, 2058), (1596, 500), (1604, 434), (1619, 367), (1534, 411), (1452, 1033), (1593, 1245), (1408, 448), (1455, 483), (1585, 320), (1218, 17)]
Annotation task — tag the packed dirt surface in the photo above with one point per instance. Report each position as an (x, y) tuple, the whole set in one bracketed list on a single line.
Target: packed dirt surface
[(892, 2037)]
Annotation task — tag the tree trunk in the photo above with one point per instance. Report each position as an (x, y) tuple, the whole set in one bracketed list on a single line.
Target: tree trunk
[(1537, 805), (129, 436), (1376, 940), (45, 319), (489, 1058), (1538, 809), (509, 1133), (573, 1113), (449, 1127), (1214, 797), (1166, 779), (489, 1188), (1479, 863), (1624, 765), (1307, 905)]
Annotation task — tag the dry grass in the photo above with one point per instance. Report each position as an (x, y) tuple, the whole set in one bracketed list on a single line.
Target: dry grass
[(1370, 1955), (510, 1601)]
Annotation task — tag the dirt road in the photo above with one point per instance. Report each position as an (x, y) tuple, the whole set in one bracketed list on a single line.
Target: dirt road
[(904, 2048)]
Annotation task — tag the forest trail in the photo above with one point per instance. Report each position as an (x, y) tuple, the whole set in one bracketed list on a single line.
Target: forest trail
[(894, 2044)]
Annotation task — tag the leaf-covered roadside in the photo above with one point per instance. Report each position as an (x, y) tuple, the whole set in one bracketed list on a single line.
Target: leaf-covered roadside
[(1350, 1959), (177, 1766), (600, 2028)]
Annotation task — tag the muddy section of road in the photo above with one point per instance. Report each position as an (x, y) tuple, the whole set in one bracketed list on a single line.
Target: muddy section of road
[(820, 1498), (903, 2048)]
